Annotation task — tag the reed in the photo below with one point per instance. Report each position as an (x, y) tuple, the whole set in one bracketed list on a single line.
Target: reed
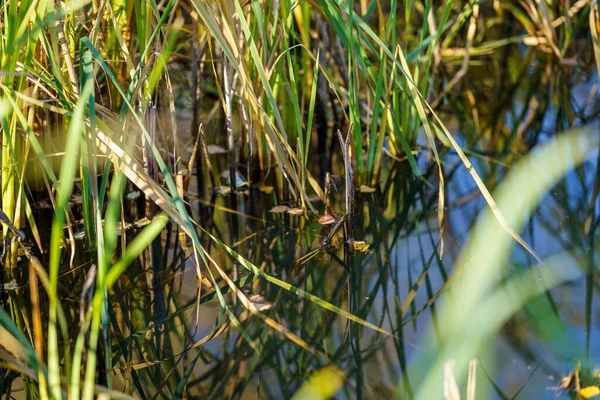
[(98, 121)]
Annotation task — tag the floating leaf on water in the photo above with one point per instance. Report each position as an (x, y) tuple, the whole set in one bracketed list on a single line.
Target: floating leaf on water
[(295, 211), (266, 189), (321, 385), (279, 209), (11, 285), (260, 303), (222, 190), (361, 245), (367, 189), (214, 149), (327, 219), (285, 209), (589, 392)]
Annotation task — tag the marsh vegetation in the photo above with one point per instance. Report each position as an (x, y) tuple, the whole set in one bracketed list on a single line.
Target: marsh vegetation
[(307, 199)]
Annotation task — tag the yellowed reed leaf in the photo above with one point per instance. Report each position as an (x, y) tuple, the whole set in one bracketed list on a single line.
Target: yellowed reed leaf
[(322, 384), (10, 343), (361, 245), (589, 392), (136, 174), (366, 189), (266, 189)]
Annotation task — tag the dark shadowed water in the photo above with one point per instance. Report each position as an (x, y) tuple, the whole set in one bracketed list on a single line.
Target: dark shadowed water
[(541, 344), (538, 346)]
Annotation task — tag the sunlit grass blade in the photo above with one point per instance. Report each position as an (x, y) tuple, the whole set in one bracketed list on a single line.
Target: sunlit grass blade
[(64, 189), (293, 289), (322, 384), (482, 260)]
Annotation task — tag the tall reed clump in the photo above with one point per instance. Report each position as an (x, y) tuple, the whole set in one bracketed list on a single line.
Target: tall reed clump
[(59, 90), (387, 70), (78, 93), (87, 94)]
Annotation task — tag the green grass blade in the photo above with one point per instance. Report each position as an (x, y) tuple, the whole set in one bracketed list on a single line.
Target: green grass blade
[(293, 289)]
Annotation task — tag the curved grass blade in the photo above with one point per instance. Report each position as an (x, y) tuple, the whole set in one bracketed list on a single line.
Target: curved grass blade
[(293, 289), (64, 189), (479, 265), (180, 390), (415, 91)]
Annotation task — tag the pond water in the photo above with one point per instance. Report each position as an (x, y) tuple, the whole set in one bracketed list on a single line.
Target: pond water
[(534, 349), (171, 323), (376, 280), (537, 347)]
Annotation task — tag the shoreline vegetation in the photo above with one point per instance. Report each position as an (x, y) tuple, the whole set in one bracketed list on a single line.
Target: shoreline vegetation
[(273, 199)]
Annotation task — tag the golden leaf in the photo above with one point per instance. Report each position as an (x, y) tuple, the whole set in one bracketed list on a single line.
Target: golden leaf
[(266, 189), (367, 189), (590, 391), (361, 245), (321, 385)]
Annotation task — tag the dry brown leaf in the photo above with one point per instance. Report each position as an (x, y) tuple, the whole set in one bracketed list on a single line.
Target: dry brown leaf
[(260, 303), (295, 211), (327, 219), (279, 209)]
